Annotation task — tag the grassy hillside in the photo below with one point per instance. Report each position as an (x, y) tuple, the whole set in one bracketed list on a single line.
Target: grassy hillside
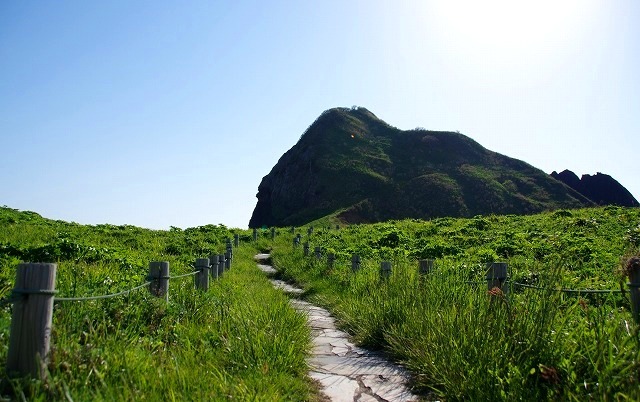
[(240, 340), (462, 342), (354, 166)]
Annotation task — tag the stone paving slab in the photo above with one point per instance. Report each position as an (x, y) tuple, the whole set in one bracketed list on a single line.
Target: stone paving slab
[(345, 371)]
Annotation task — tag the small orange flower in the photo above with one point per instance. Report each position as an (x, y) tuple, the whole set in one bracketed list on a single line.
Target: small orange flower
[(583, 305)]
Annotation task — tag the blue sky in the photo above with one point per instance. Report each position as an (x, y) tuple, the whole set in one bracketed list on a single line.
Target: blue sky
[(160, 113)]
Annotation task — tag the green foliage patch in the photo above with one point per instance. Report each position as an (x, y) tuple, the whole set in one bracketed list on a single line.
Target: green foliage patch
[(239, 340), (463, 342)]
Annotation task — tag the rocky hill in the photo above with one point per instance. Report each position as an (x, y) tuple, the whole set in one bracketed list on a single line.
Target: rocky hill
[(600, 188), (354, 166)]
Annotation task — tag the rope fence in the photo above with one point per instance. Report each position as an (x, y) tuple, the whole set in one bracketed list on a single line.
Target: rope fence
[(110, 296), (496, 276), (571, 291), (34, 295)]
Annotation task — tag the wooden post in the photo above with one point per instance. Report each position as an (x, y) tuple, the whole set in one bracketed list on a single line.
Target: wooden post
[(633, 271), (229, 251), (202, 277), (318, 252), (425, 267), (227, 261), (310, 231), (159, 277), (213, 261), (331, 258), (355, 262), (255, 234), (496, 275), (31, 320), (306, 249), (220, 264), (223, 262), (385, 269), (273, 233), (296, 242), (236, 240)]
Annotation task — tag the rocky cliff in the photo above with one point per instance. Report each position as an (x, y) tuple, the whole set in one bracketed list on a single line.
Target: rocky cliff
[(354, 166), (599, 188)]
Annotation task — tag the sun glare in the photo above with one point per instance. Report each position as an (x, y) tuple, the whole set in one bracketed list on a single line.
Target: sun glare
[(497, 28)]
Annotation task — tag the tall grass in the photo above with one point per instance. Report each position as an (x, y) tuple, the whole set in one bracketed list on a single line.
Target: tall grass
[(239, 340), (466, 343)]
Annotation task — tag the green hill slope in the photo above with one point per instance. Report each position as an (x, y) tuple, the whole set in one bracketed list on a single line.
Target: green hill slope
[(355, 166)]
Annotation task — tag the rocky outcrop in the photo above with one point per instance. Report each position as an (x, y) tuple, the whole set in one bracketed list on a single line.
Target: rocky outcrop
[(353, 166), (599, 188)]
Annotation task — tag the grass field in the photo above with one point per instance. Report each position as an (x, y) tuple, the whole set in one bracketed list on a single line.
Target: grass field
[(466, 343), (241, 340)]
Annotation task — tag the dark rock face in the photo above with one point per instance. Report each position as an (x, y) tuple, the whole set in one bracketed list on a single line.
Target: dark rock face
[(599, 188), (351, 165)]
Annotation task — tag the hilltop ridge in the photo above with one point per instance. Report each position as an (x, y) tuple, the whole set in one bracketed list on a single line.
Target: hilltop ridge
[(354, 166)]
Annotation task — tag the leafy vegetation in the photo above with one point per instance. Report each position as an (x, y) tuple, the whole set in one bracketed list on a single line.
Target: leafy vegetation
[(464, 342), (240, 340)]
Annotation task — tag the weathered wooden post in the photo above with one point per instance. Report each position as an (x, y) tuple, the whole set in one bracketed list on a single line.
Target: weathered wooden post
[(633, 272), (159, 277), (255, 234), (31, 320), (273, 233), (496, 275), (385, 269), (222, 260), (331, 258), (355, 262), (227, 261), (236, 240), (202, 277), (296, 242), (213, 261), (229, 251), (306, 249), (220, 264), (318, 252), (425, 267)]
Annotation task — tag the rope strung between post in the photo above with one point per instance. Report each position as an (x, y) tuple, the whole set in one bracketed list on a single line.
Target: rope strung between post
[(563, 290), (184, 275), (46, 292), (18, 292), (579, 291), (124, 292)]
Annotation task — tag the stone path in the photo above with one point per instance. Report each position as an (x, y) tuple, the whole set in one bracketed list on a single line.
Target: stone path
[(345, 371)]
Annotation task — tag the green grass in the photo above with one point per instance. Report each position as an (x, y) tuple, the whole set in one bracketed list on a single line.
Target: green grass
[(464, 343), (240, 340)]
